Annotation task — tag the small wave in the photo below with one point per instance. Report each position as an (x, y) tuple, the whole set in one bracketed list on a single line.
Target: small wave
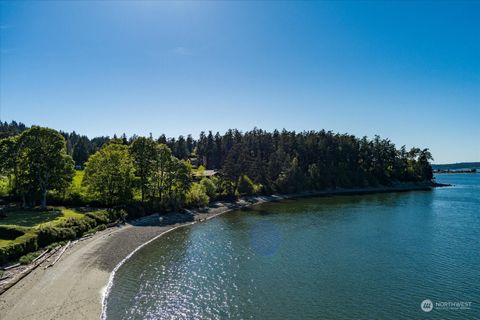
[(106, 290)]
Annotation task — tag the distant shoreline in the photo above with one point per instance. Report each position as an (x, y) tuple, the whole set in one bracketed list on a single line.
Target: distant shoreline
[(453, 172), (76, 286)]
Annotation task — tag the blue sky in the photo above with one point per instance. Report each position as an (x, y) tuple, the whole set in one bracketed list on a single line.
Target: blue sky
[(409, 71)]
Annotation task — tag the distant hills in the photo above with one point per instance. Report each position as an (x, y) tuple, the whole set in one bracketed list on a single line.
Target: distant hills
[(457, 166)]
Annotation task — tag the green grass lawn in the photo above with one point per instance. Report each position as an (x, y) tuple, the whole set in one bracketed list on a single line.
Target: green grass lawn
[(29, 218), (4, 242), (77, 180), (76, 186), (65, 214), (36, 217)]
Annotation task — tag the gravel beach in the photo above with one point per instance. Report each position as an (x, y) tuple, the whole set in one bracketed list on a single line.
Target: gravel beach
[(73, 288)]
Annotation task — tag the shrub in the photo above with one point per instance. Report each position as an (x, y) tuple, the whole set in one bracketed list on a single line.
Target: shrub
[(225, 188), (100, 228), (5, 188), (101, 216), (11, 232), (135, 211), (29, 257), (50, 234), (175, 201), (197, 196), (96, 229), (116, 214), (73, 227), (18, 247), (210, 187), (75, 196), (26, 240), (55, 245), (245, 186)]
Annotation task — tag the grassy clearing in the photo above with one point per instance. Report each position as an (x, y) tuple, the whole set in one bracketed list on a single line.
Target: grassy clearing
[(77, 191), (62, 225), (4, 186), (76, 194), (29, 218), (4, 242), (34, 219), (76, 186), (64, 215)]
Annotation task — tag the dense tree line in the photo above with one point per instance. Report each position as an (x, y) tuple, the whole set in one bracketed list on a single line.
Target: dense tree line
[(159, 170), (287, 161), (80, 147), (11, 129)]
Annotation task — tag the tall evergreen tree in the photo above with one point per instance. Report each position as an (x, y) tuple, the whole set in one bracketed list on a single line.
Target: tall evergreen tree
[(144, 153)]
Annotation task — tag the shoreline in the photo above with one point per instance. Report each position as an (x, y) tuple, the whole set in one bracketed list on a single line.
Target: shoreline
[(451, 172), (76, 287)]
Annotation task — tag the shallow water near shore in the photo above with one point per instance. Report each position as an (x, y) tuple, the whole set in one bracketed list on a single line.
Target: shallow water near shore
[(346, 257)]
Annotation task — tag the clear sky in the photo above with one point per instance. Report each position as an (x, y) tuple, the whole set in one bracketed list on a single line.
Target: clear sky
[(409, 71)]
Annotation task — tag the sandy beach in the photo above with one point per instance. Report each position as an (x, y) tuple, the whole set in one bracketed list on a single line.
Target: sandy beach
[(73, 288)]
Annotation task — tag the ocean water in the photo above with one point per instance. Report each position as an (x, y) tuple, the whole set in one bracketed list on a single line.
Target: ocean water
[(346, 257)]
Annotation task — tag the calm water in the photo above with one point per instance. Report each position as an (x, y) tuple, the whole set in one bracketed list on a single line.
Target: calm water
[(356, 257)]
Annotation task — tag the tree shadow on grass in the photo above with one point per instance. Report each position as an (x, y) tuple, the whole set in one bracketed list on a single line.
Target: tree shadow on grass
[(29, 217)]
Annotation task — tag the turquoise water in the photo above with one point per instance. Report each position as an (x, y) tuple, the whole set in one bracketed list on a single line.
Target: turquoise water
[(354, 257)]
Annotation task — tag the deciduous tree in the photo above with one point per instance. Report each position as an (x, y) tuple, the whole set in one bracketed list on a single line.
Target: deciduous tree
[(42, 163), (110, 174)]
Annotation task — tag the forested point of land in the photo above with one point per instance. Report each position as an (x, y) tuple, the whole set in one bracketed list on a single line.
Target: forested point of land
[(156, 173)]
